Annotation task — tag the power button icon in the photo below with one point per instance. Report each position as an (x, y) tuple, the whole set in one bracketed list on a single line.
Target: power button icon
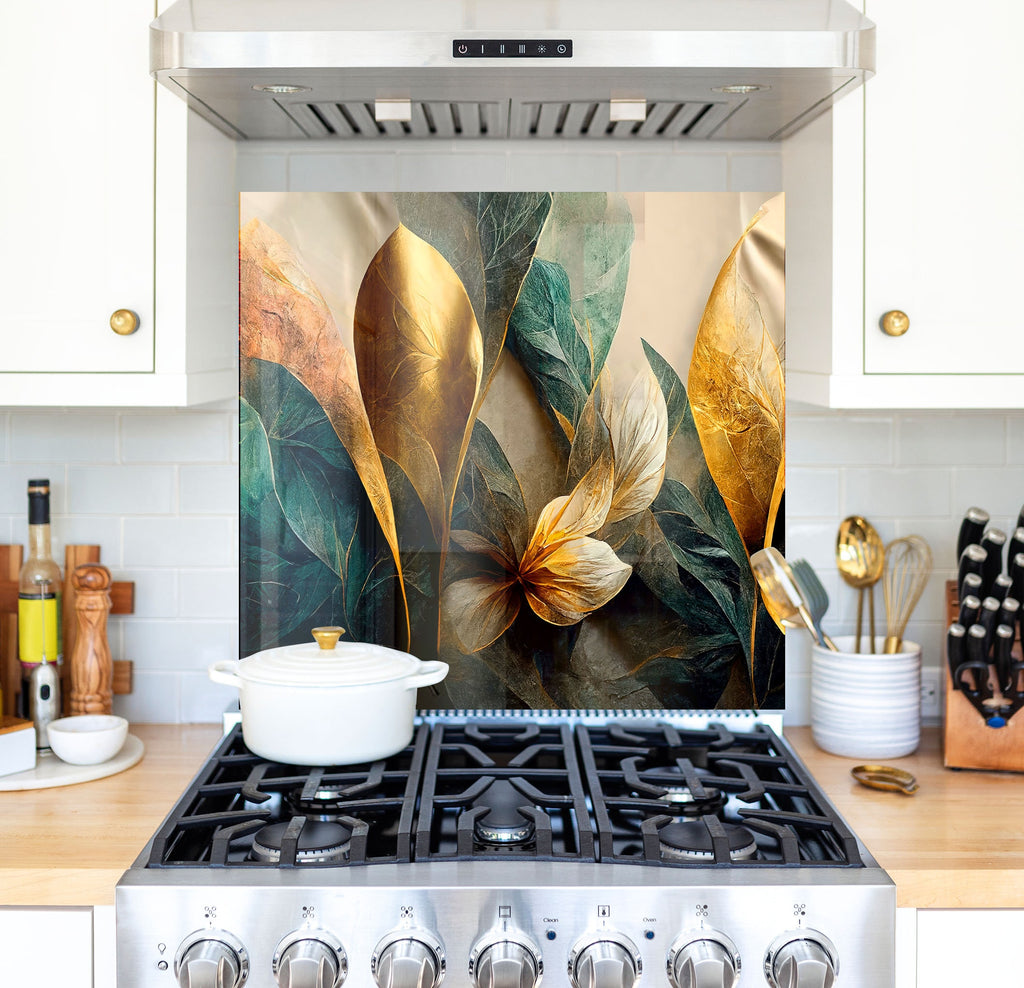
[(463, 49)]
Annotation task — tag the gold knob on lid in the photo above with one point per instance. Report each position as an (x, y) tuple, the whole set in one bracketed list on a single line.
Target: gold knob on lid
[(327, 637), (895, 323), (124, 322)]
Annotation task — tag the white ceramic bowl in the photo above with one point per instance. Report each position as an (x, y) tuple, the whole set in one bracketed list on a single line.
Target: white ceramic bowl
[(88, 739)]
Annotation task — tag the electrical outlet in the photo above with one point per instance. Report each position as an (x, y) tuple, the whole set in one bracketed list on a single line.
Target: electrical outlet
[(931, 694)]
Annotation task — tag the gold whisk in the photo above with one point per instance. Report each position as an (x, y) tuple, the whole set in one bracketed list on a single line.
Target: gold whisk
[(908, 563)]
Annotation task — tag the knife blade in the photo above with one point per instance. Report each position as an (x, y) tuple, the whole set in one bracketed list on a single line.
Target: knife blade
[(973, 524)]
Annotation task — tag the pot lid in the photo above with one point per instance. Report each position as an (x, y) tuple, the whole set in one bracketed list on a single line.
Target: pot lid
[(327, 662)]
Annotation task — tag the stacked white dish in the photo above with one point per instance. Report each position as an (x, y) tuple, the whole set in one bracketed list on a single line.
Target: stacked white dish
[(863, 705)]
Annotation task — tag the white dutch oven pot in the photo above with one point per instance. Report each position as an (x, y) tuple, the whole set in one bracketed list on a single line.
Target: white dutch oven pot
[(325, 703)]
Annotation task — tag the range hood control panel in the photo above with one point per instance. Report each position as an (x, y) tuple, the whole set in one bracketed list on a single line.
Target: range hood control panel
[(512, 48)]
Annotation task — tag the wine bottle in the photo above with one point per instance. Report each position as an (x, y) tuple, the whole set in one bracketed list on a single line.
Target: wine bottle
[(39, 593)]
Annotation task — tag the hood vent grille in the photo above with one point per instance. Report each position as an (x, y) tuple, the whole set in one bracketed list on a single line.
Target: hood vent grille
[(579, 119)]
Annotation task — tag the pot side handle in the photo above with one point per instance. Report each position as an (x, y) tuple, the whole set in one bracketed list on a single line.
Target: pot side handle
[(224, 672), (430, 673)]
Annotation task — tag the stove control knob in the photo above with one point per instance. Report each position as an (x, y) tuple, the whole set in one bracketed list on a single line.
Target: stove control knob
[(707, 959), (310, 959), (211, 959), (801, 959), (408, 959), (505, 961), (608, 960)]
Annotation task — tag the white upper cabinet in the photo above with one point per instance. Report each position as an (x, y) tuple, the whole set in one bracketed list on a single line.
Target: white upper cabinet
[(904, 199), (107, 207)]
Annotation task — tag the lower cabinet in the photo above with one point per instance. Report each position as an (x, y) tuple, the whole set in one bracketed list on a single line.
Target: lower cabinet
[(47, 947)]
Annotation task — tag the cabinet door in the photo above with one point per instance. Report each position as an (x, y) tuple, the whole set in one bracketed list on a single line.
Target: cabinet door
[(944, 217), (46, 948), (76, 186)]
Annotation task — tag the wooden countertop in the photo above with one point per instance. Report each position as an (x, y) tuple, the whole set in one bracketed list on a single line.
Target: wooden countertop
[(958, 843)]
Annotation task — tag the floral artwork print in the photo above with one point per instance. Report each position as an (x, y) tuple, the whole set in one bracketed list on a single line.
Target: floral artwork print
[(477, 434)]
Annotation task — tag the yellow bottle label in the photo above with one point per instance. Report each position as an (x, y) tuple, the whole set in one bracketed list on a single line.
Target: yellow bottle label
[(38, 629)]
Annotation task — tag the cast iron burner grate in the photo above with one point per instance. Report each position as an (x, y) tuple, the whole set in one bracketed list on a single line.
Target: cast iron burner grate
[(626, 791), (237, 794)]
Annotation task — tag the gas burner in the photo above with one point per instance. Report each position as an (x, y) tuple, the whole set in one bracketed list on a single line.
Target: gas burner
[(327, 803), (681, 801), (502, 824), (319, 842), (691, 841)]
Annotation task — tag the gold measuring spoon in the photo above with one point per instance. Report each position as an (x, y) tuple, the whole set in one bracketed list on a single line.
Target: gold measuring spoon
[(860, 558)]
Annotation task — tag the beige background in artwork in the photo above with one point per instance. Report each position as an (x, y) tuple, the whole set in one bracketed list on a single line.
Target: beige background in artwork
[(681, 240)]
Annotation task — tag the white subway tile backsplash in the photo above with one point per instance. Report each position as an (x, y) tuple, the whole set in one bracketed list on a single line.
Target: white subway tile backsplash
[(155, 698), (927, 440), (818, 440), (14, 478), (161, 645), (120, 489), (881, 493), (203, 701), (209, 593), (1015, 439), (209, 490), (156, 592), (1000, 491), (72, 437), (812, 492), (181, 437), (178, 542)]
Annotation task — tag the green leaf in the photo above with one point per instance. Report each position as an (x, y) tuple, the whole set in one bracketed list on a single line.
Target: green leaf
[(322, 502), (489, 238), (679, 415)]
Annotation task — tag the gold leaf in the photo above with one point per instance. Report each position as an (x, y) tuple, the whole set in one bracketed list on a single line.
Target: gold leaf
[(481, 608), (418, 351), (737, 393), (564, 574), (283, 318), (573, 578), (639, 432)]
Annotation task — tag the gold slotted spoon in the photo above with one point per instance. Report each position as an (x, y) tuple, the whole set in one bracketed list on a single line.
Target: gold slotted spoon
[(860, 558)]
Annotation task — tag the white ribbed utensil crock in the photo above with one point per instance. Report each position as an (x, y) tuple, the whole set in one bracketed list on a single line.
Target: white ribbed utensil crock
[(866, 706)]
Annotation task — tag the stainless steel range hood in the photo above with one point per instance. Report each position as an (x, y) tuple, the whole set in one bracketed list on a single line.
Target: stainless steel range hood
[(498, 69)]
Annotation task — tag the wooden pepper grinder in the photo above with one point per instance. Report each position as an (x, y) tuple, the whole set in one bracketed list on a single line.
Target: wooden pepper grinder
[(92, 670)]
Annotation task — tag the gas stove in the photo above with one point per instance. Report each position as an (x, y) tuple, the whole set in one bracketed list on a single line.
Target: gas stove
[(591, 850)]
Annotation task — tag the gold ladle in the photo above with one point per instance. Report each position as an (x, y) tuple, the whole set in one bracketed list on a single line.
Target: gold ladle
[(860, 558)]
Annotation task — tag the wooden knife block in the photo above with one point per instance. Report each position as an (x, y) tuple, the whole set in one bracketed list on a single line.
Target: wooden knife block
[(122, 596), (968, 741)]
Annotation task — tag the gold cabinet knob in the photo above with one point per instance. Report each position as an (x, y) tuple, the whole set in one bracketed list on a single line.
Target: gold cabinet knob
[(124, 322), (895, 323), (327, 637)]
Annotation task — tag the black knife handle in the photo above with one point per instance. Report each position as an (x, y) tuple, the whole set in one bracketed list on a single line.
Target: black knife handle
[(975, 520), (970, 608), (977, 660), (972, 560), (971, 586), (1016, 545), (1020, 518), (988, 619), (993, 542), (1009, 612), (1002, 661), (1000, 587), (1017, 575), (956, 649)]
